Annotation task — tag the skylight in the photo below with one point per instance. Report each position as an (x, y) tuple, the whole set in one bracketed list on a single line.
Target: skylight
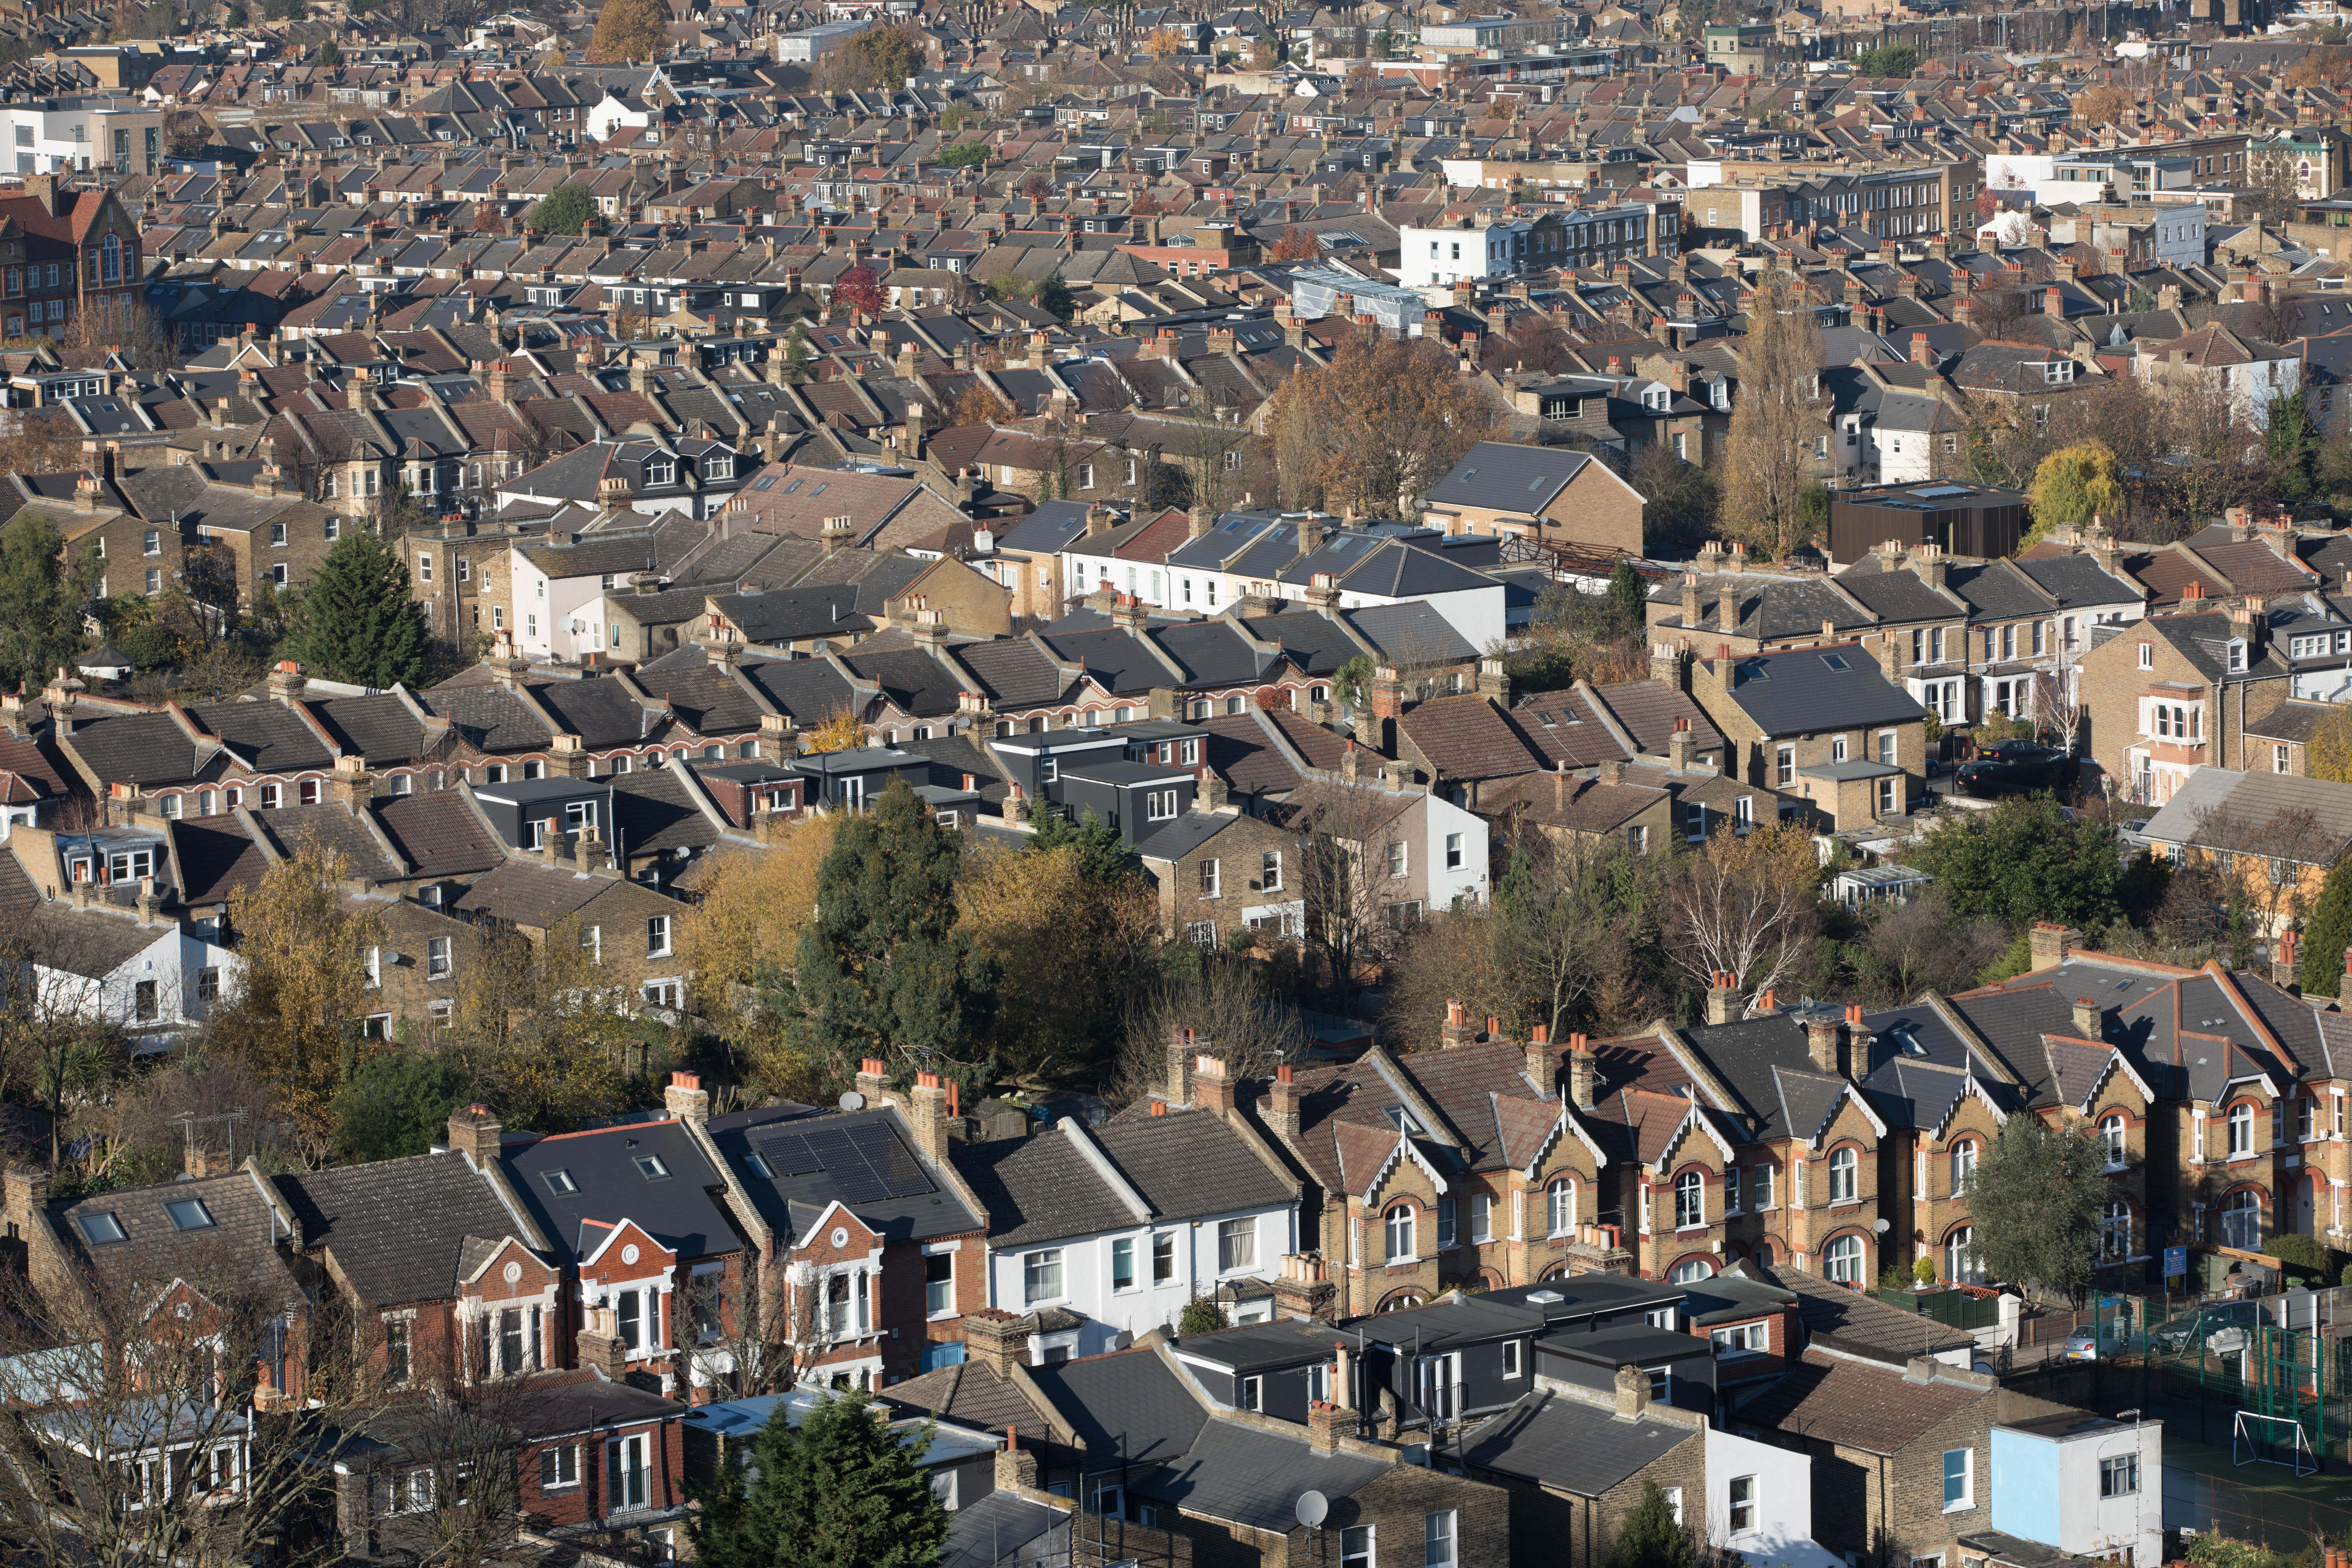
[(102, 1229), (759, 1167), (1835, 661), (651, 1168), (190, 1213), (560, 1183)]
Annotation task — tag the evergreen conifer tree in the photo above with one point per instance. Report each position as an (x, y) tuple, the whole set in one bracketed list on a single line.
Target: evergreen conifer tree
[(884, 967), (2328, 932), (839, 1491), (1650, 1537), (358, 623)]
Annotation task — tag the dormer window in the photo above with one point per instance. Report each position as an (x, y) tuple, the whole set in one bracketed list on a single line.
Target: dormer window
[(2237, 653), (659, 471), (2060, 373)]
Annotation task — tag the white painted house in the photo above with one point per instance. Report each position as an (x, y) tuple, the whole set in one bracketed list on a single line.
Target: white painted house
[(1119, 1226), (149, 976)]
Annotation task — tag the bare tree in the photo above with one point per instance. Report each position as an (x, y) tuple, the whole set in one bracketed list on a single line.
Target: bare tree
[(1777, 418), (2271, 868), (1746, 905), (1353, 897), (149, 1419), (1227, 1005), (2058, 698)]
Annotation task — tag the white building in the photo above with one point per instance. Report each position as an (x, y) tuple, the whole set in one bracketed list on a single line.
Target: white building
[(1134, 1219), (1759, 1503), (2085, 1484), (54, 136), (149, 976)]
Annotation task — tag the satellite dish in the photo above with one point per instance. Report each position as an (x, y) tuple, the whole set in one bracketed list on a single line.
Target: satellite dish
[(1312, 1509), (1879, 1226), (852, 1100)]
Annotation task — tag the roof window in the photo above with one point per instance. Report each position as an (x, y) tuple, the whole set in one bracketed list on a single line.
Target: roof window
[(190, 1213), (560, 1183)]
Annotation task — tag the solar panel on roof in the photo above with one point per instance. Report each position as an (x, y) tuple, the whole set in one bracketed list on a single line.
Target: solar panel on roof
[(856, 1180), (892, 1161), (1937, 492), (788, 1154)]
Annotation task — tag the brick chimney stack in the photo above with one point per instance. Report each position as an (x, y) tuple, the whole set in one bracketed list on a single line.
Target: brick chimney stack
[(1282, 1102), (1457, 1029), (474, 1133), (927, 1111), (1212, 1089), (1723, 998), (1582, 1065), (2286, 969), (1825, 1043), (2089, 1023), (1542, 1060), (997, 1339), (686, 1099)]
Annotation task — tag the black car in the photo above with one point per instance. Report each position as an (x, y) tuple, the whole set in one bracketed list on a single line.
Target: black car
[(2012, 767)]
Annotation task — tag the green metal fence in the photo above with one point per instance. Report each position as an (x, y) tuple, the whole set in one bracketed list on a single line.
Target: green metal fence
[(1952, 1308)]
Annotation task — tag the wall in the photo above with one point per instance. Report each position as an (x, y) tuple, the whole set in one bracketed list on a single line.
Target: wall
[(1087, 1274), (1783, 1494)]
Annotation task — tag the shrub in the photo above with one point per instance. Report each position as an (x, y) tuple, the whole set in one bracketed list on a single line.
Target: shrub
[(1201, 1316)]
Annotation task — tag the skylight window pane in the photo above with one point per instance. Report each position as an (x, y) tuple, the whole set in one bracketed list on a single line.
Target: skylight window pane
[(189, 1213), (102, 1228), (561, 1184)]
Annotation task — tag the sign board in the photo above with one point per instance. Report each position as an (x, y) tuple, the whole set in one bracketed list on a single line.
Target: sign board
[(2175, 1261)]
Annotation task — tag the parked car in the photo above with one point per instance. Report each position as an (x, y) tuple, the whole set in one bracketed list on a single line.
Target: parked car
[(2086, 1342), (2013, 767), (2219, 1326), (2133, 834)]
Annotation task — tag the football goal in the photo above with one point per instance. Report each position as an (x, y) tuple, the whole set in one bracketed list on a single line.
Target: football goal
[(2272, 1440)]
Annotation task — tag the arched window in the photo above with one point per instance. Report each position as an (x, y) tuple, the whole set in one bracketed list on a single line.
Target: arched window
[(1399, 1302), (1690, 1200), (1842, 1167), (1560, 1207), (110, 259), (2241, 1129), (1690, 1270), (1964, 1165), (2241, 1217), (1960, 1257), (1842, 1260), (2114, 1232), (2112, 1130), (1400, 1234)]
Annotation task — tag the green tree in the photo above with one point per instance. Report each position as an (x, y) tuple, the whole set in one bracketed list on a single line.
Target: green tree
[(2073, 485), (2035, 1202), (892, 54), (397, 1104), (796, 354), (1102, 857), (1054, 295), (40, 602), (2023, 861), (839, 1491), (1651, 1537), (563, 210), (963, 155), (1628, 600), (2328, 933), (884, 968), (358, 622), (330, 54), (2293, 447), (1895, 60), (630, 30)]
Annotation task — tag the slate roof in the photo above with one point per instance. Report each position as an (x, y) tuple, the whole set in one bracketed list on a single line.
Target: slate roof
[(1134, 1414), (1802, 691), (676, 1209), (397, 1229), (437, 834), (1190, 1164), (1568, 1446), (1502, 476)]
